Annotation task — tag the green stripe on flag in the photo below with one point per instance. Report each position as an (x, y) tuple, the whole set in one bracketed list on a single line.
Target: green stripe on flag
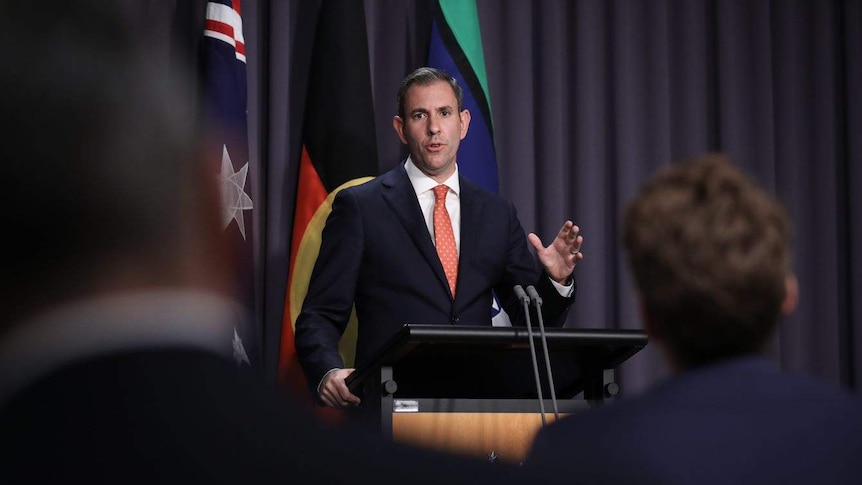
[(463, 18)]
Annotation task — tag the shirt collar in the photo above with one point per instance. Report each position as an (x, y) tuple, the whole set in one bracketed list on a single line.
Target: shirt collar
[(423, 183)]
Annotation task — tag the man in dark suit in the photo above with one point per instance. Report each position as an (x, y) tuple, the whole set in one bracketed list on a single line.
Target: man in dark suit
[(115, 337), (711, 257), (400, 256)]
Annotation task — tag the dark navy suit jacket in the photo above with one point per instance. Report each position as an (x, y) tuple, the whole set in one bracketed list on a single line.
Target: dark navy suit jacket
[(738, 422), (377, 253)]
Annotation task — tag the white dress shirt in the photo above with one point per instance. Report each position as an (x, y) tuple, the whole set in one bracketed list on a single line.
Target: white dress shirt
[(424, 187)]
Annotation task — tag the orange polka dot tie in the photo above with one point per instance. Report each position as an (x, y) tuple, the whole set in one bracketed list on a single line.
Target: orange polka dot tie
[(444, 237)]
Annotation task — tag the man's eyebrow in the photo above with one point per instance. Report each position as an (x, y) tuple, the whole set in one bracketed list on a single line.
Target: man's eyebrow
[(439, 108)]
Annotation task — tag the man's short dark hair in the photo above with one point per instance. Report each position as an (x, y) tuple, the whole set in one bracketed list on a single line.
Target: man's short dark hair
[(426, 76), (710, 254)]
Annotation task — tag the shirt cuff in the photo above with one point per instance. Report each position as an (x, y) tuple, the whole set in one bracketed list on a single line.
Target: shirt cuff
[(564, 290), (319, 384)]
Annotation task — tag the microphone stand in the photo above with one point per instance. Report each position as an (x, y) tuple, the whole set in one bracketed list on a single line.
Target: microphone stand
[(537, 300), (519, 292)]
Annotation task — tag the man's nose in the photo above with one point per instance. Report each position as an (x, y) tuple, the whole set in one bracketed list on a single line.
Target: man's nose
[(433, 126)]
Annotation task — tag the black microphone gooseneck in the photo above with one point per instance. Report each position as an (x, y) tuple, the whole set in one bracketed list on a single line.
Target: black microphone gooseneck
[(537, 300), (519, 292)]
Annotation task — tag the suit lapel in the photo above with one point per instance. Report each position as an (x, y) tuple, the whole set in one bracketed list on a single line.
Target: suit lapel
[(471, 225), (399, 195)]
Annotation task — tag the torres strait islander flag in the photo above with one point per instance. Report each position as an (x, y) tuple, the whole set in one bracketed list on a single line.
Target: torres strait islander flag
[(225, 121), (456, 47), (339, 150)]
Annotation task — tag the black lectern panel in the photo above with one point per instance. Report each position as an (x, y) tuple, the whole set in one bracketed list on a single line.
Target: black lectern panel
[(431, 361)]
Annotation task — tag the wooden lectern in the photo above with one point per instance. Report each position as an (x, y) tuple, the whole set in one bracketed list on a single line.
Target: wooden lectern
[(472, 390)]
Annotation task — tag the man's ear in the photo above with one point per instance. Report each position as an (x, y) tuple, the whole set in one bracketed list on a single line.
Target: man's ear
[(398, 124), (647, 322), (655, 336), (791, 295), (207, 260), (465, 122)]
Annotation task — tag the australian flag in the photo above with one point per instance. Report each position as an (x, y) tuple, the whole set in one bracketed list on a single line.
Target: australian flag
[(226, 131)]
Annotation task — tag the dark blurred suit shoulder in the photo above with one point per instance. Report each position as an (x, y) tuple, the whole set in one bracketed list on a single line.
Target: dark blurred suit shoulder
[(143, 416), (740, 421), (188, 416)]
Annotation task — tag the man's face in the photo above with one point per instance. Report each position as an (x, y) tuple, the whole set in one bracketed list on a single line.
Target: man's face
[(433, 128)]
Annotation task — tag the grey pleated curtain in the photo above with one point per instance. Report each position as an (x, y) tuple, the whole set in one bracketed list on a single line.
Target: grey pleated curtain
[(588, 99)]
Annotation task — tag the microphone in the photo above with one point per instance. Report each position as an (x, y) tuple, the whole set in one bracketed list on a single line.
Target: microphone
[(519, 292), (537, 300), (534, 295)]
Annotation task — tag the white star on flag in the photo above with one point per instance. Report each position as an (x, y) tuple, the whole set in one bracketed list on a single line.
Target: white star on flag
[(499, 318), (239, 354), (233, 197)]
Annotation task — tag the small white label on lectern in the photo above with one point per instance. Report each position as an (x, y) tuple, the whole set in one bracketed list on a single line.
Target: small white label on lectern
[(403, 406)]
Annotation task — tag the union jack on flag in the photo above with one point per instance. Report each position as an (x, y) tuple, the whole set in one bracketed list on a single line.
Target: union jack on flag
[(224, 23)]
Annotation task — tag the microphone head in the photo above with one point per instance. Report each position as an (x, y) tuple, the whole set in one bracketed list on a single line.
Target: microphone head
[(519, 292), (534, 295)]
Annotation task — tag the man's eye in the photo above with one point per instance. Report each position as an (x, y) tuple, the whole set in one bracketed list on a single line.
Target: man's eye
[(418, 116), (444, 113)]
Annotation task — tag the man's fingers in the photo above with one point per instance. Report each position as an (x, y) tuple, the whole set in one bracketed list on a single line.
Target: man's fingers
[(335, 393), (535, 241), (577, 244), (338, 398), (345, 397), (328, 399)]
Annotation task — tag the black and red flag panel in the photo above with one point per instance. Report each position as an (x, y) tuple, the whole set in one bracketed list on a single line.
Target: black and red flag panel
[(339, 149)]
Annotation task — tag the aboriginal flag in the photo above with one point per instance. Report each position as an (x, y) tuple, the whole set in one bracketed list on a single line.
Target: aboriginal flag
[(339, 150)]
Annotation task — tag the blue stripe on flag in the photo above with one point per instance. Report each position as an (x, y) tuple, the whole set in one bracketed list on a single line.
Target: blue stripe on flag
[(477, 160)]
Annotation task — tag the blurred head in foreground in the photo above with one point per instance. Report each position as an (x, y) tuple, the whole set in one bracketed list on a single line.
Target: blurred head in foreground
[(710, 253), (103, 186)]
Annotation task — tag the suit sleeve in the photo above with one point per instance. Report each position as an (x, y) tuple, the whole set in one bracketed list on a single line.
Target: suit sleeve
[(327, 306), (522, 268)]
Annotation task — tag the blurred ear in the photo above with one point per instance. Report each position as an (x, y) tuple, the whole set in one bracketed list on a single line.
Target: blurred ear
[(398, 124), (791, 294), (464, 116), (656, 338), (647, 321), (210, 261)]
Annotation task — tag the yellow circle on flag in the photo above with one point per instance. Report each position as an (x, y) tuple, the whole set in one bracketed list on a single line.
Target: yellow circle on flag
[(306, 256)]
